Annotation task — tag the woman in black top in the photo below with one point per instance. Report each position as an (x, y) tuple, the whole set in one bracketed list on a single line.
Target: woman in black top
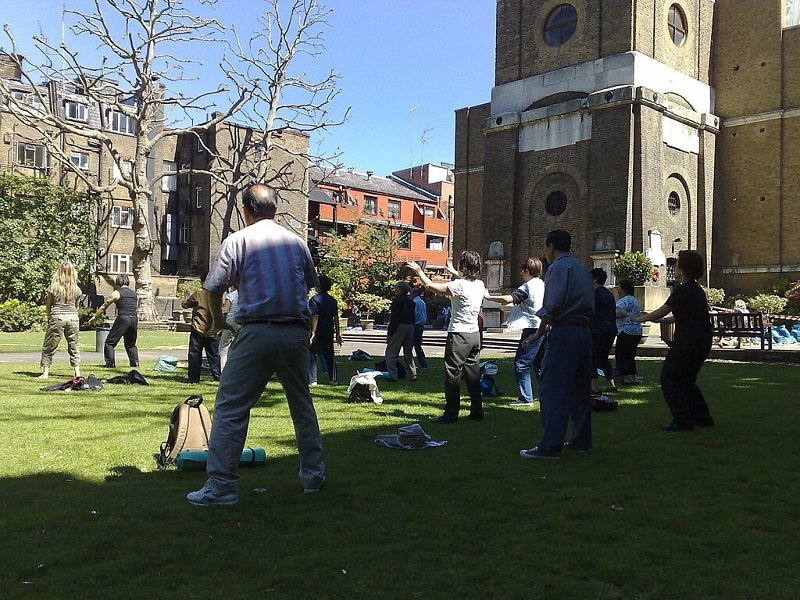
[(690, 348), (125, 325), (604, 330)]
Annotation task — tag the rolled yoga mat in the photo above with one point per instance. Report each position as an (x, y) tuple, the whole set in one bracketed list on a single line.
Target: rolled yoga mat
[(195, 460)]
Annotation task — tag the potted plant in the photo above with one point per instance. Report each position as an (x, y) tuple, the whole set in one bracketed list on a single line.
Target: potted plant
[(368, 304), (633, 266)]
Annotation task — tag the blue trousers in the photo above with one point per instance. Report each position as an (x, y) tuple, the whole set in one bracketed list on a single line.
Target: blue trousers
[(524, 361), (565, 386)]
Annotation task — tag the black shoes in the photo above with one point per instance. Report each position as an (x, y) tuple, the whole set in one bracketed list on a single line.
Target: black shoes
[(573, 447), (444, 420), (677, 427), (540, 453), (476, 416)]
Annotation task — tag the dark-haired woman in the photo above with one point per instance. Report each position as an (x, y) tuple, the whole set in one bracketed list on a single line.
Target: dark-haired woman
[(125, 325), (462, 350), (690, 348), (604, 330), (629, 333)]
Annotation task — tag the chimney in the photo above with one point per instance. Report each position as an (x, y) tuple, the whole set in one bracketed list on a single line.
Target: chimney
[(369, 174), (9, 67)]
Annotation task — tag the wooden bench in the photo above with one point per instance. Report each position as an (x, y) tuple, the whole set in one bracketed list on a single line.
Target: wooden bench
[(741, 325)]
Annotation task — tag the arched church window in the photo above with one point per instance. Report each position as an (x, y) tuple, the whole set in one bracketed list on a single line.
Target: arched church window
[(674, 203), (560, 24), (555, 203), (676, 24)]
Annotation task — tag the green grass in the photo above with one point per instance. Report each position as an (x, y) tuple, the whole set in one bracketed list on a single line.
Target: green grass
[(648, 515), (31, 341)]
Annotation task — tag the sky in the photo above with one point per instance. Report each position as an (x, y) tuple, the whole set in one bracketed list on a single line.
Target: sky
[(405, 67)]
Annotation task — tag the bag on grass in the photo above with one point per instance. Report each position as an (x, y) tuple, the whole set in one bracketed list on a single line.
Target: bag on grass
[(90, 383), (166, 363), (489, 387), (189, 429), (133, 377), (602, 403)]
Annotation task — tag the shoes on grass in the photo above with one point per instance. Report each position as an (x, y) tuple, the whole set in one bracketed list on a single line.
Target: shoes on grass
[(444, 420), (314, 489), (538, 452), (575, 448), (478, 416), (677, 427), (706, 422), (207, 496)]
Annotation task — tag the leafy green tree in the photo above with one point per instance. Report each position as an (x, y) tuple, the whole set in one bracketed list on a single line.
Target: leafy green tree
[(42, 225), (363, 261)]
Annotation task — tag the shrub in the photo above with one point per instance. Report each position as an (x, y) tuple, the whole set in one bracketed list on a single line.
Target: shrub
[(188, 287), (634, 266), (715, 296), (84, 314), (21, 316), (767, 303), (370, 303)]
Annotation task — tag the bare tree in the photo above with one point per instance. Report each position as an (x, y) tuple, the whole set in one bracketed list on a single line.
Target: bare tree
[(137, 64), (143, 64), (284, 96)]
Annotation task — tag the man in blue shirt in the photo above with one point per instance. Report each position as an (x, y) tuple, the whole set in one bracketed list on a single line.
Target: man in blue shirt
[(565, 380), (420, 319)]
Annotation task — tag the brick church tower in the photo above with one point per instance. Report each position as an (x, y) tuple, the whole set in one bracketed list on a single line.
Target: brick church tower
[(600, 123)]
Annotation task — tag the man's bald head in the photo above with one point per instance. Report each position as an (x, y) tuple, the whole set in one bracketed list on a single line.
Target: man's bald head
[(261, 201)]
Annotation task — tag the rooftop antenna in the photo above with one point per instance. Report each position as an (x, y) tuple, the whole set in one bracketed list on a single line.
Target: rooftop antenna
[(423, 140), (413, 112)]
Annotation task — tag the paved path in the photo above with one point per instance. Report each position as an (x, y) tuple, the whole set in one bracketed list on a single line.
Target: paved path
[(374, 342)]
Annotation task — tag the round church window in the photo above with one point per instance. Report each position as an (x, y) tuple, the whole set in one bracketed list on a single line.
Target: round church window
[(560, 24), (676, 24), (674, 203), (556, 203)]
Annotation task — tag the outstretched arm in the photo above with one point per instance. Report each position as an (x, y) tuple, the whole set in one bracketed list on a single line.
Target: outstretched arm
[(439, 288), (657, 314)]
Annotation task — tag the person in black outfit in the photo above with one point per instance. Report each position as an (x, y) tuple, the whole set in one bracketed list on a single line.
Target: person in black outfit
[(604, 330), (690, 348), (324, 331), (400, 334), (125, 325)]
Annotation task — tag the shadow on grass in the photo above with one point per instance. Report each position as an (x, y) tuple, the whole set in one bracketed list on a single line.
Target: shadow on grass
[(646, 514)]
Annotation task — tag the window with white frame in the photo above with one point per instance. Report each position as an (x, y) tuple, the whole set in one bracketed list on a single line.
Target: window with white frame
[(169, 183), (31, 99), (122, 216), (435, 242), (404, 240), (121, 122), (370, 205), (76, 111), (120, 263), (428, 211), (198, 197), (127, 168), (80, 160), (394, 209), (183, 233), (31, 155)]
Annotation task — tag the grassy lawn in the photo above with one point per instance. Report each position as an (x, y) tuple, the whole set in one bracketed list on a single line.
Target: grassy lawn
[(646, 514)]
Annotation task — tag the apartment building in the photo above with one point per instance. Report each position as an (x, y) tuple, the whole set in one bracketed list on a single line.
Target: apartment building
[(340, 199), (195, 178)]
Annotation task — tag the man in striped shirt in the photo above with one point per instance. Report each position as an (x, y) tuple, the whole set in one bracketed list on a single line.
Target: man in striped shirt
[(273, 270)]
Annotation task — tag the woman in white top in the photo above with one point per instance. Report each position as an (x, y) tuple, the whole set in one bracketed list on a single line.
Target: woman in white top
[(462, 351), (527, 299), (63, 297)]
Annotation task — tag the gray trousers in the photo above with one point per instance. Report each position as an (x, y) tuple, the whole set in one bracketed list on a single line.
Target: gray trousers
[(58, 325), (402, 337), (261, 350)]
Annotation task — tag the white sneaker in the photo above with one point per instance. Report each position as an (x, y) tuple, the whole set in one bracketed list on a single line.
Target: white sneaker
[(206, 496), (312, 384)]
